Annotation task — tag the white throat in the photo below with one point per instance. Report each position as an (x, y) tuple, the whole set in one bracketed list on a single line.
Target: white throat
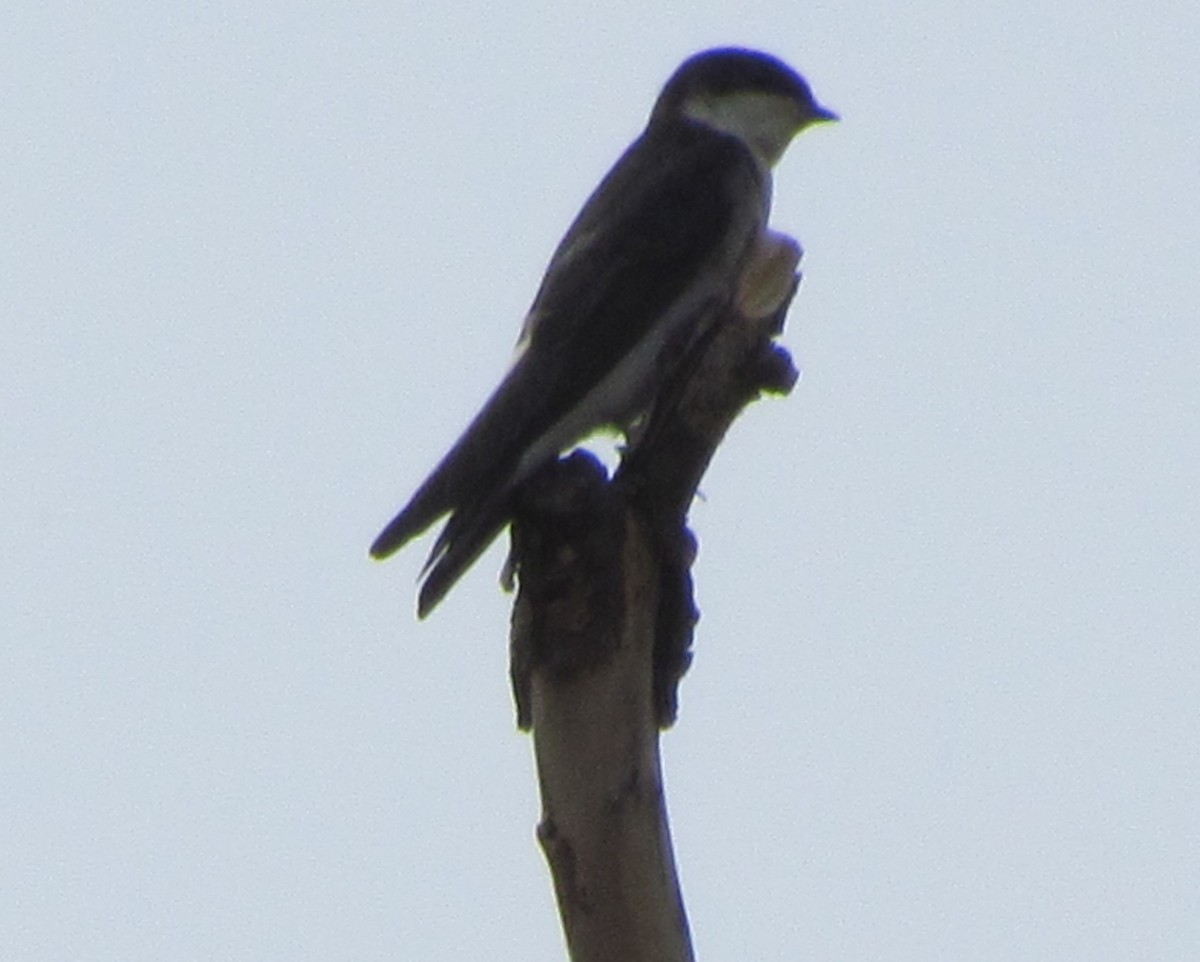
[(766, 123)]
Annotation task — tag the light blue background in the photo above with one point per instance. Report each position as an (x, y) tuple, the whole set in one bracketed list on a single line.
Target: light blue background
[(259, 263)]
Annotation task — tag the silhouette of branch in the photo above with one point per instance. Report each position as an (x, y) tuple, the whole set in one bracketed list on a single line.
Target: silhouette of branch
[(601, 635)]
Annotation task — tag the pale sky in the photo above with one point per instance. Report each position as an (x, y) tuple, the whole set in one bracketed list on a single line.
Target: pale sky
[(261, 262)]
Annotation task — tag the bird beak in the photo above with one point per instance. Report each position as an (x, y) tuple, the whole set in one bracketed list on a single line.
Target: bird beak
[(824, 115)]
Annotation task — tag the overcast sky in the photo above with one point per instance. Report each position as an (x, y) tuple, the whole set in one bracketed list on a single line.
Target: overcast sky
[(260, 263)]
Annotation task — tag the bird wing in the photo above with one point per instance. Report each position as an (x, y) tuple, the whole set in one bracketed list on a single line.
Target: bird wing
[(671, 211)]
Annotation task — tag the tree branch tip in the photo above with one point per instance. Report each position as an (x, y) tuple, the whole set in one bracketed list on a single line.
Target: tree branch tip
[(774, 371)]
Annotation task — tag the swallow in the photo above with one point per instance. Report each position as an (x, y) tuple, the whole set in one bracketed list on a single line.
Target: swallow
[(678, 225)]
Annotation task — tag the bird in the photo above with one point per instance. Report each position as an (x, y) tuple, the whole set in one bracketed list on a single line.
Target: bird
[(677, 225)]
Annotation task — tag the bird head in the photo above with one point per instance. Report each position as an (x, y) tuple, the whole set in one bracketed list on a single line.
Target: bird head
[(747, 94)]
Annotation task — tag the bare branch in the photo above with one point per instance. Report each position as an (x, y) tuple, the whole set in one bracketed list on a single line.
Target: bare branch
[(602, 633)]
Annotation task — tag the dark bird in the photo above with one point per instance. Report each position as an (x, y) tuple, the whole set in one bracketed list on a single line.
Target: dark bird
[(678, 224)]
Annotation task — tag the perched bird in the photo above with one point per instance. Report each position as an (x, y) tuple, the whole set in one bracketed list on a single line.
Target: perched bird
[(679, 224)]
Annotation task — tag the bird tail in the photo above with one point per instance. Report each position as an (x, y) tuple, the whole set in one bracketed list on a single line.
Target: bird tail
[(468, 533), (473, 483), (474, 487), (426, 506), (466, 536), (466, 468)]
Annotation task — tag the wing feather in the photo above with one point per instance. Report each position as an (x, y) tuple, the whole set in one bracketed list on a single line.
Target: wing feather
[(683, 204)]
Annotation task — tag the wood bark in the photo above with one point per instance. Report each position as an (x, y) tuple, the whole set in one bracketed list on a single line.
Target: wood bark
[(601, 635)]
